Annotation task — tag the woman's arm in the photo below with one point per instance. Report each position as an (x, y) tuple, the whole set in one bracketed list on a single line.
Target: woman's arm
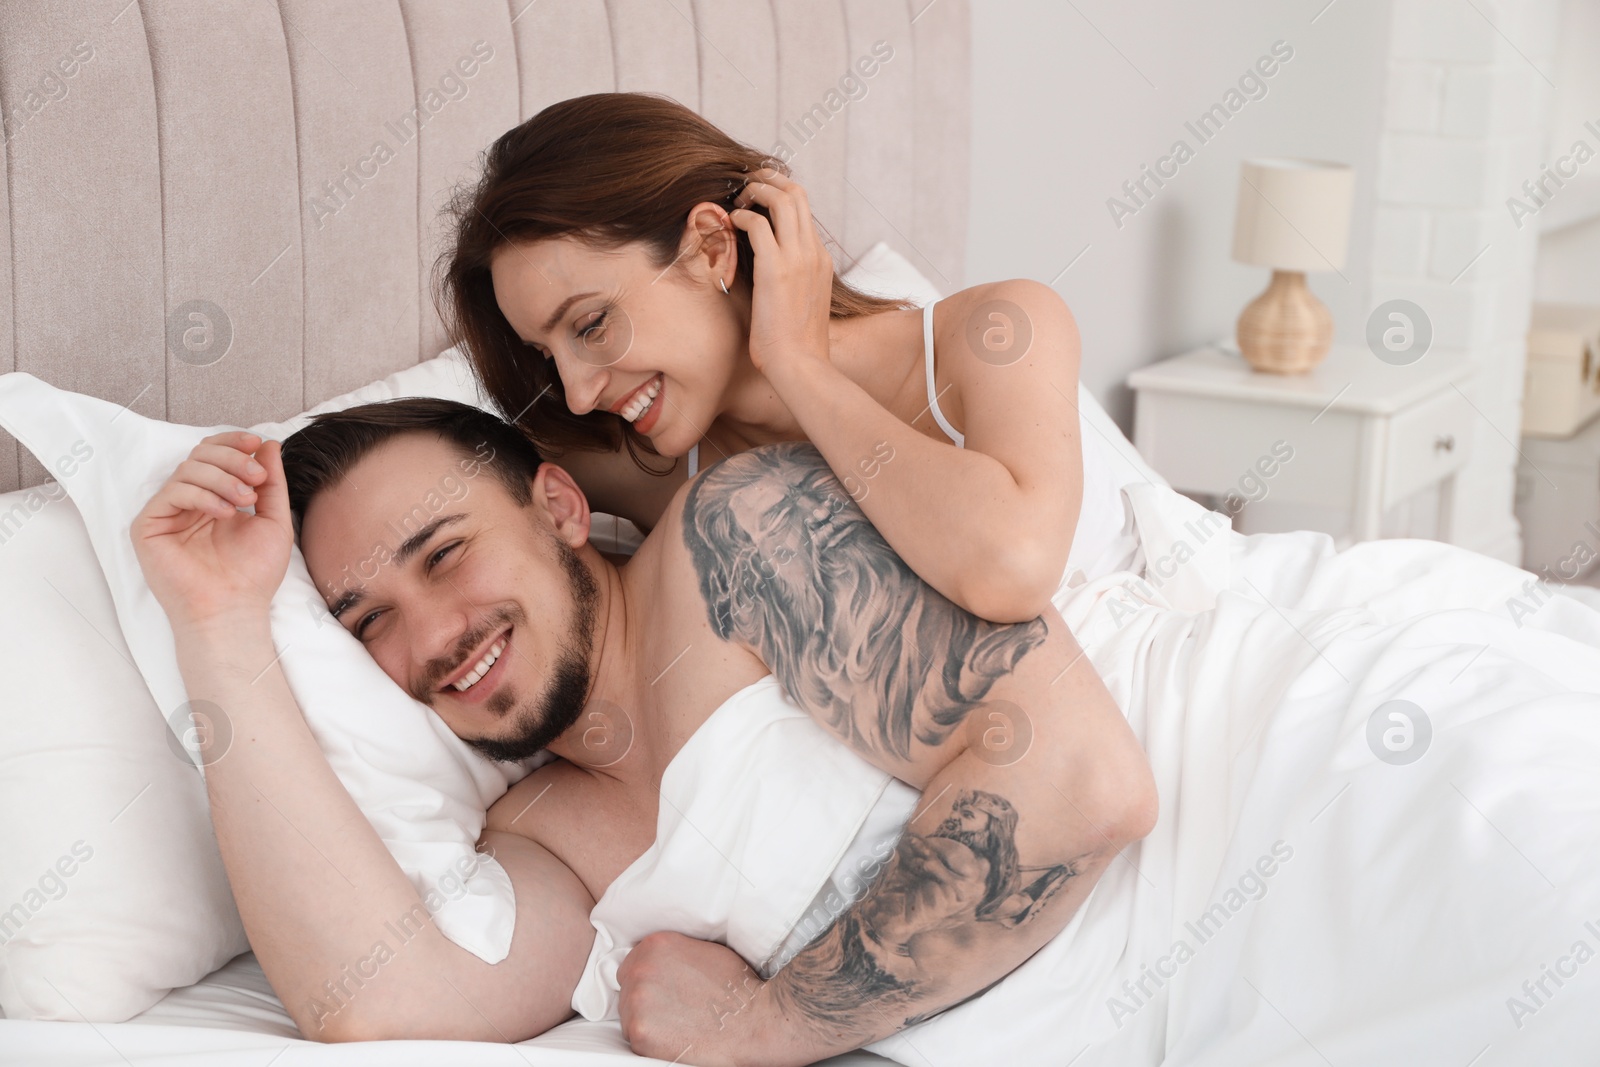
[(989, 526)]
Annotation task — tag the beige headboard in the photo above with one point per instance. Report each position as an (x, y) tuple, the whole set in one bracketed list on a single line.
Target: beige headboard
[(180, 175)]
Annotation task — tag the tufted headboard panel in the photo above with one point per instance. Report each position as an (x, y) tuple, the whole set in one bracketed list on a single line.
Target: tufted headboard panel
[(225, 211)]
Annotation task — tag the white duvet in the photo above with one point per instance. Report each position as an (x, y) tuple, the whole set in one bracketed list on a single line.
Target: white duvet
[(1302, 900)]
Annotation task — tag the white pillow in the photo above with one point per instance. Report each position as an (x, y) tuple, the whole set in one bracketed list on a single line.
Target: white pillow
[(881, 271), (1104, 539), (112, 888), (422, 788)]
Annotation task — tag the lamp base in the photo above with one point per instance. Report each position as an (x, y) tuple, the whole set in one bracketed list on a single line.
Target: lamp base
[(1285, 330)]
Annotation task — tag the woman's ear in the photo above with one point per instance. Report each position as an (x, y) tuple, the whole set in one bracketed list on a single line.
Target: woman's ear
[(713, 244), (556, 491)]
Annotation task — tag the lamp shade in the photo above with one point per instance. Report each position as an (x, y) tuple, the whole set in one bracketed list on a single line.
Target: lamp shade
[(1293, 214)]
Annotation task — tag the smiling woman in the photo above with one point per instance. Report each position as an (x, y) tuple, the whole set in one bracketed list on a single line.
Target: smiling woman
[(626, 274), (594, 177)]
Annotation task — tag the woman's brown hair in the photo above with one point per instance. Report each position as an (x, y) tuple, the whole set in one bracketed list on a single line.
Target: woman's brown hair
[(614, 168)]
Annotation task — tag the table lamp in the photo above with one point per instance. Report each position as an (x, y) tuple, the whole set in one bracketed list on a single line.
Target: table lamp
[(1293, 216)]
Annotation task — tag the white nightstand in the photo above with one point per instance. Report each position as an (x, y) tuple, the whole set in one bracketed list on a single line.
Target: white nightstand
[(1361, 435)]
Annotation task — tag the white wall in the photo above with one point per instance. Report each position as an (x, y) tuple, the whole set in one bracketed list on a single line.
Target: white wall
[(1470, 96), (1568, 270), (1068, 107)]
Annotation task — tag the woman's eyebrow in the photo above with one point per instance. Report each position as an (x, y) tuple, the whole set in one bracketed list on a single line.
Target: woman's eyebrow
[(566, 305)]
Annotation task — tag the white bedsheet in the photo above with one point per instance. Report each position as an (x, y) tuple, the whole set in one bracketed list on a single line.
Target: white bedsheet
[(232, 1019)]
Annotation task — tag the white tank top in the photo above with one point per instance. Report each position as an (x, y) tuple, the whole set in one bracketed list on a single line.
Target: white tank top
[(933, 396)]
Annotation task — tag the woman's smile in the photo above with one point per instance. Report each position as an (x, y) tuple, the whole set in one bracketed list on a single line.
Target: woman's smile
[(635, 406), (646, 420)]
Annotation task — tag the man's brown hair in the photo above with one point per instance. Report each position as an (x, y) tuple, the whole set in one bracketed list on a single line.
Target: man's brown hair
[(319, 456)]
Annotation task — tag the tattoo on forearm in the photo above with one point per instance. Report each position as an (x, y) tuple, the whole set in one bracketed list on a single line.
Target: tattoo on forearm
[(874, 961), (790, 566)]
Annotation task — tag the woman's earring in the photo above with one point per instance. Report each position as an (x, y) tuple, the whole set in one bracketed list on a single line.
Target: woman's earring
[(724, 286)]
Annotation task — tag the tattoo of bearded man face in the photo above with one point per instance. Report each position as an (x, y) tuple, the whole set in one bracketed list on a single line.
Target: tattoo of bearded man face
[(790, 567)]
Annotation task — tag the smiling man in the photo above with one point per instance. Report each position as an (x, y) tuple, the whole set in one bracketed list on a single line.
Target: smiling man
[(500, 616)]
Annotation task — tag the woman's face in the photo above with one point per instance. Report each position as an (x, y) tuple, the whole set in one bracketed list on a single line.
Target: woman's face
[(620, 329)]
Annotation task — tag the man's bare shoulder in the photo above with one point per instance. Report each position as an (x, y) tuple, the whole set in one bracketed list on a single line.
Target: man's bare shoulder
[(744, 528), (786, 565), (668, 575)]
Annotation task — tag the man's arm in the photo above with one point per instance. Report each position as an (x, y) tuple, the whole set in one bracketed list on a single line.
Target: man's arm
[(346, 941), (1012, 832)]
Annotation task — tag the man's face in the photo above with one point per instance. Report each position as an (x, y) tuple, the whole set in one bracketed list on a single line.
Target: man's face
[(448, 586)]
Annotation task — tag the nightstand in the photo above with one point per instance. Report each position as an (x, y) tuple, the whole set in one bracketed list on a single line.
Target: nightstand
[(1356, 434)]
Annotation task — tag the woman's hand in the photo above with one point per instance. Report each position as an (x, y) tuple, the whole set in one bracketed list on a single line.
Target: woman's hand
[(793, 283), (205, 559)]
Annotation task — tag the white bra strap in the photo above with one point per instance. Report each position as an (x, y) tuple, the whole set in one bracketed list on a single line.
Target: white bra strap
[(933, 397), (694, 459)]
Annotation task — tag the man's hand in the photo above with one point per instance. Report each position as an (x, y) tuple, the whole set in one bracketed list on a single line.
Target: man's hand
[(690, 1001), (202, 556)]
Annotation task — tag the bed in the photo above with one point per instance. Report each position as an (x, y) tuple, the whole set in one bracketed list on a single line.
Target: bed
[(1345, 893)]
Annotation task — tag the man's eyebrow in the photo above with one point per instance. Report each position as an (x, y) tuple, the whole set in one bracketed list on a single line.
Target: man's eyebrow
[(410, 545), (566, 305), (350, 599), (407, 549)]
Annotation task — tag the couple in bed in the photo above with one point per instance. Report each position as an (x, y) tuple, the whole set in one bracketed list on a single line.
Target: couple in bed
[(626, 274)]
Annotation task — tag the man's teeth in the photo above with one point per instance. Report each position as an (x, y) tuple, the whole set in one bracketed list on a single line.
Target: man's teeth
[(481, 669), (641, 403)]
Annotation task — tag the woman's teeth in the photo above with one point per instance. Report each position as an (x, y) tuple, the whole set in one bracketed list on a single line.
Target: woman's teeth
[(641, 403), (481, 669)]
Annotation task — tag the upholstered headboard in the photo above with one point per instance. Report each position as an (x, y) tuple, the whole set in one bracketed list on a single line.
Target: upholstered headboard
[(227, 210)]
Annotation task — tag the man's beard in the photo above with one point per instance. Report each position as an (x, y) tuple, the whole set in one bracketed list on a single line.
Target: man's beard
[(542, 721)]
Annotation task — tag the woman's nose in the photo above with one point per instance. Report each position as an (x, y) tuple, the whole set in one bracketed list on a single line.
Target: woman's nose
[(583, 383)]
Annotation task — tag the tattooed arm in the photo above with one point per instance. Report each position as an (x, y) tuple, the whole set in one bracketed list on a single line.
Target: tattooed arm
[(1008, 839)]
